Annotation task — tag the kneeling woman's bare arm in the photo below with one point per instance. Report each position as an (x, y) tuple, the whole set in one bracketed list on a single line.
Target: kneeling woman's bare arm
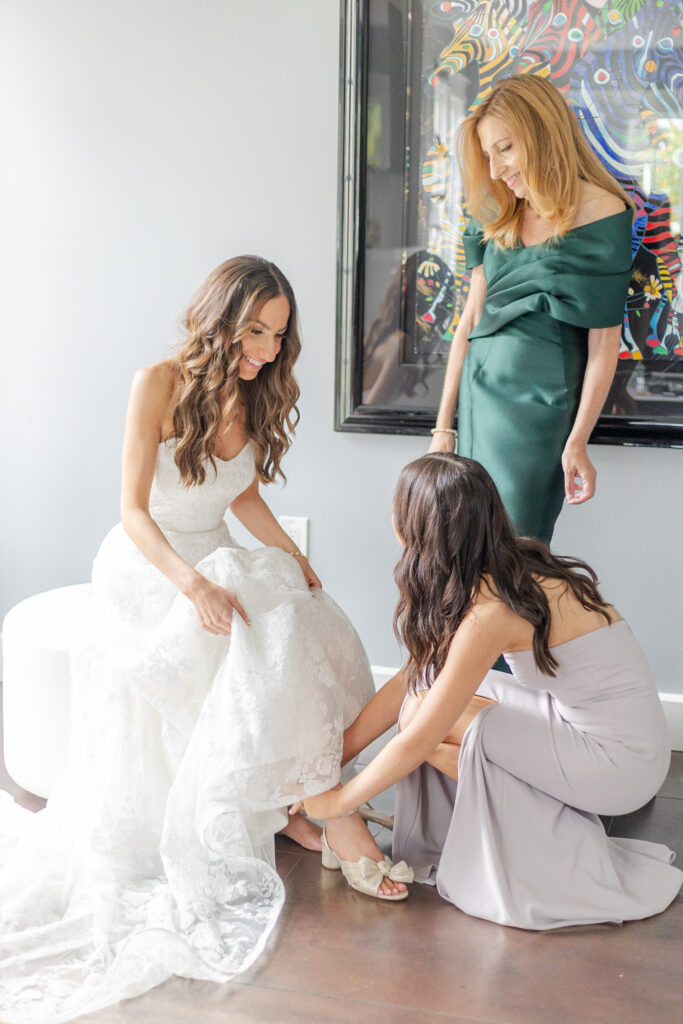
[(481, 638), (148, 407), (378, 715)]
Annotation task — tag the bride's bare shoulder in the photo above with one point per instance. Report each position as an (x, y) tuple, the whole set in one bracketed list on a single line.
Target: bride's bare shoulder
[(154, 391), (157, 381)]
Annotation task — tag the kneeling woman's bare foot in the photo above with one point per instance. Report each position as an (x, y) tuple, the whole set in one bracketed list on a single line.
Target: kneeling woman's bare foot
[(303, 832), (350, 838)]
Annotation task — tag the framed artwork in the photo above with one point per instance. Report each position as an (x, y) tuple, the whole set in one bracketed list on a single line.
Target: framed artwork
[(411, 70)]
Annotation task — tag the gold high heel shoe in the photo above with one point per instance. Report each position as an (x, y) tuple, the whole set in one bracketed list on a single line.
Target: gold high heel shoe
[(366, 875)]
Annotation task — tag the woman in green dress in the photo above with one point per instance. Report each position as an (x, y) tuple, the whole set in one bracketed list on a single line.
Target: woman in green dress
[(536, 347)]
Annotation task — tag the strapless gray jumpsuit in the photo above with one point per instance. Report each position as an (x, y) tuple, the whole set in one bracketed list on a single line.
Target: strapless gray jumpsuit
[(517, 839)]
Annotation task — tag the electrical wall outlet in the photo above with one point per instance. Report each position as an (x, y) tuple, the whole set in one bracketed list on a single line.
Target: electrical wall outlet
[(297, 528)]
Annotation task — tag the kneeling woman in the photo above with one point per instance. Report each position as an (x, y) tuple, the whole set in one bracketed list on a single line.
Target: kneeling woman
[(497, 803)]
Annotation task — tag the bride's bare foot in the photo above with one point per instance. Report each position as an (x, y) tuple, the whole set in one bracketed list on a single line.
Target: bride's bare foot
[(350, 839), (303, 832)]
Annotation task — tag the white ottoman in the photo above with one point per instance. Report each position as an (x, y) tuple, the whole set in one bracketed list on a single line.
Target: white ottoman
[(37, 636)]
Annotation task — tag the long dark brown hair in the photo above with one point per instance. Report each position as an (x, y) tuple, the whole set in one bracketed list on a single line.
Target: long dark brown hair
[(208, 362), (455, 529)]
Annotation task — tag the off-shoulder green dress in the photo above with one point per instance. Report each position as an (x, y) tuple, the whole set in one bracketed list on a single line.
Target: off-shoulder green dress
[(522, 377)]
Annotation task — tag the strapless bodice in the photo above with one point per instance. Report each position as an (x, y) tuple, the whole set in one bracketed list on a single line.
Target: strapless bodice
[(601, 665), (200, 508)]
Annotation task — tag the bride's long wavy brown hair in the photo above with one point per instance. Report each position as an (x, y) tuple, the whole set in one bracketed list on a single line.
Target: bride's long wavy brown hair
[(455, 529), (208, 360)]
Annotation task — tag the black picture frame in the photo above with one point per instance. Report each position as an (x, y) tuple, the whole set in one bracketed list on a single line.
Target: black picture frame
[(393, 53)]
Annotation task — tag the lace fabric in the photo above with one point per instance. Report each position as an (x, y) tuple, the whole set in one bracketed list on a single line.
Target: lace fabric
[(155, 853)]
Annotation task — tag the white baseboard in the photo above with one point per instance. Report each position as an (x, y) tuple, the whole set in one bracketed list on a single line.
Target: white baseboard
[(671, 702), (673, 710)]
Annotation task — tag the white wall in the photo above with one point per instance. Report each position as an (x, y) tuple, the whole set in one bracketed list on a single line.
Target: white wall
[(143, 144)]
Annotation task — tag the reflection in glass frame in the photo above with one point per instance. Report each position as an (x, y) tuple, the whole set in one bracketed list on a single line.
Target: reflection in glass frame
[(410, 71)]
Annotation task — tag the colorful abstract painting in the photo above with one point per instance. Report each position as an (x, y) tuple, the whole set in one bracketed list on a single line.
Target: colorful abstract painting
[(619, 66)]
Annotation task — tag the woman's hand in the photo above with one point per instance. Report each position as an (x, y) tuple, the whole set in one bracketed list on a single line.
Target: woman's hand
[(215, 606), (603, 356), (322, 806), (576, 464), (310, 576), (442, 442)]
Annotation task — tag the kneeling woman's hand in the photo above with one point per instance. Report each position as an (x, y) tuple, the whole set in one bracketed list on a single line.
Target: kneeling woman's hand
[(322, 806), (215, 606)]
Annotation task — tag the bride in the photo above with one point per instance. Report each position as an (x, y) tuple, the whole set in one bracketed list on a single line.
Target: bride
[(211, 693)]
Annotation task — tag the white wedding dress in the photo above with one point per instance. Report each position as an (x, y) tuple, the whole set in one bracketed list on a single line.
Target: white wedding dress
[(154, 855)]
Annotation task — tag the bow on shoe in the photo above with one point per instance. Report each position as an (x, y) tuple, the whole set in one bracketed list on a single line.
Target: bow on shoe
[(373, 871)]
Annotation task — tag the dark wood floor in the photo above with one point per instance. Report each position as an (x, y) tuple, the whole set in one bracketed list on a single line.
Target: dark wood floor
[(340, 958)]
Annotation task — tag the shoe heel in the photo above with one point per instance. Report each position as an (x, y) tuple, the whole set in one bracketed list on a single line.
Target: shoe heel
[(330, 860)]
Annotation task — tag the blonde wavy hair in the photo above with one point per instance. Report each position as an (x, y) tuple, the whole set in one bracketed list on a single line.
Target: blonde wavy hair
[(554, 156), (211, 391)]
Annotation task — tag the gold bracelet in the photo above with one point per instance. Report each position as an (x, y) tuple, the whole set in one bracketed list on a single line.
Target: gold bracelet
[(444, 430), (296, 554)]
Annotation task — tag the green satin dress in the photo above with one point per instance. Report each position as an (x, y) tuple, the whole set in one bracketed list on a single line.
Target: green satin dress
[(522, 377)]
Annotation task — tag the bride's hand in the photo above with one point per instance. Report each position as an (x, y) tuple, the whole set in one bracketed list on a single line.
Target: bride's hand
[(215, 606), (310, 576), (322, 806)]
